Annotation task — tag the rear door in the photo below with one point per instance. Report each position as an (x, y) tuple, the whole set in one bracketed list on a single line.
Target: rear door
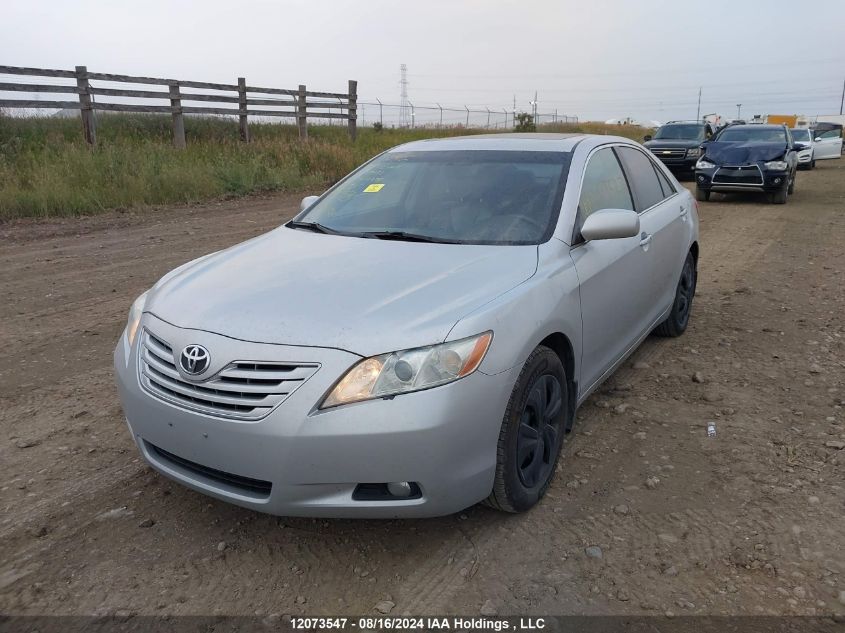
[(828, 141), (664, 217), (612, 273)]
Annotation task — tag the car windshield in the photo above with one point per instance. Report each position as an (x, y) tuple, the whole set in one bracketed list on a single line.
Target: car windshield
[(685, 132), (754, 134), (465, 196), (801, 135)]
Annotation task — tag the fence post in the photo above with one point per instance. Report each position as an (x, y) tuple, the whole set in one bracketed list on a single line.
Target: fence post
[(301, 113), (89, 124), (353, 109), (243, 126), (178, 120)]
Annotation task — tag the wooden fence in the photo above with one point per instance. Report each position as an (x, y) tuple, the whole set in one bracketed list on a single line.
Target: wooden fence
[(299, 104)]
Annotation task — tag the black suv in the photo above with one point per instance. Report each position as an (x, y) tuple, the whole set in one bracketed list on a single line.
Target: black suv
[(749, 158), (677, 143)]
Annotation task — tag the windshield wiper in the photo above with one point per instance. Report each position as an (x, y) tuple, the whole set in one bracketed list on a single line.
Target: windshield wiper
[(313, 226), (408, 237)]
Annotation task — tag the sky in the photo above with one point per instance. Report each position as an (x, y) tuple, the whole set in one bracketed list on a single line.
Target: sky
[(595, 59)]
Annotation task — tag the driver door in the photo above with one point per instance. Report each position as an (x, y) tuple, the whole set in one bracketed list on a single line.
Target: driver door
[(613, 283)]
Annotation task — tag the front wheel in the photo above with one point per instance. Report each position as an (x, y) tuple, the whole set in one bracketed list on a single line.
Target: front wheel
[(678, 319), (791, 189), (779, 196), (532, 433), (702, 195)]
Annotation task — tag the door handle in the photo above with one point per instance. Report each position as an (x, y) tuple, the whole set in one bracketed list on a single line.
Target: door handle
[(645, 239), (684, 212)]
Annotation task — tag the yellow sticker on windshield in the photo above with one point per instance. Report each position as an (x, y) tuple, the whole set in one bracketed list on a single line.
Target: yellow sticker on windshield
[(373, 188)]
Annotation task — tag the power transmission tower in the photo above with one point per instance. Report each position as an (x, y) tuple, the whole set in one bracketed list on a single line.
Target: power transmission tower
[(403, 96)]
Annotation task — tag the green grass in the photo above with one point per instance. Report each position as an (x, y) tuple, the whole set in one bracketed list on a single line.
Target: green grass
[(47, 170)]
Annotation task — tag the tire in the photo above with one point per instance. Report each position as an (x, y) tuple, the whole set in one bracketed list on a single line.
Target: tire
[(701, 195), (813, 164), (779, 196), (791, 188), (678, 319), (526, 459)]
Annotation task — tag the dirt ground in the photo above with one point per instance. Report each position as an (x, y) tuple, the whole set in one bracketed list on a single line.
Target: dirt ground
[(747, 522)]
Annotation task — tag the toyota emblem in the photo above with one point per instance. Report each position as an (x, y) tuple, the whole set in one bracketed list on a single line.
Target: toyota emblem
[(194, 359)]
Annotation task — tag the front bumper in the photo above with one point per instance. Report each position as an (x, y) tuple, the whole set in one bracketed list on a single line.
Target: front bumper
[(309, 462), (805, 158), (728, 179)]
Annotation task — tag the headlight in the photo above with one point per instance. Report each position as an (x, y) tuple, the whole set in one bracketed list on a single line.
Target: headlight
[(693, 152), (134, 319), (776, 165), (704, 164), (409, 370)]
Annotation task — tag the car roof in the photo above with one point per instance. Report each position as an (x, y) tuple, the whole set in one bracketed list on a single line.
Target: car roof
[(533, 141)]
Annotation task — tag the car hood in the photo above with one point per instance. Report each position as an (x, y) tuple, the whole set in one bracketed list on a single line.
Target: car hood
[(366, 296), (685, 143), (743, 153)]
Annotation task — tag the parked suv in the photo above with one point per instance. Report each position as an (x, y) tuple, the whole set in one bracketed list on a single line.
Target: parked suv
[(749, 158), (677, 143), (806, 157)]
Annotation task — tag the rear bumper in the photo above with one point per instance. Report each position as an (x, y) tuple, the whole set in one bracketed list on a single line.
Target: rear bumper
[(299, 461)]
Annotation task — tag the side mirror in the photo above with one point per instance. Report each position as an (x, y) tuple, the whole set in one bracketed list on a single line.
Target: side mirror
[(647, 138), (610, 224), (307, 201), (817, 139), (798, 147)]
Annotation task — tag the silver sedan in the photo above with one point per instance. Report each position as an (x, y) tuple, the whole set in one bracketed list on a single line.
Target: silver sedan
[(419, 337)]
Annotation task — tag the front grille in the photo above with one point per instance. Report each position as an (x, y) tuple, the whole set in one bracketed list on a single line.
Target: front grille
[(248, 485), (245, 390), (669, 152), (743, 175)]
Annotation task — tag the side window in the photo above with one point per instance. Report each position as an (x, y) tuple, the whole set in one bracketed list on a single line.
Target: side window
[(604, 186), (835, 133), (668, 188), (643, 178)]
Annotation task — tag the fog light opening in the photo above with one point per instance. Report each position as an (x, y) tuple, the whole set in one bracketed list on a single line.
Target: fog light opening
[(777, 181), (701, 179), (390, 491)]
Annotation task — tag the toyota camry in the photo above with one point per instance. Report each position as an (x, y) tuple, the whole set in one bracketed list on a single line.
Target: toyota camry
[(418, 338)]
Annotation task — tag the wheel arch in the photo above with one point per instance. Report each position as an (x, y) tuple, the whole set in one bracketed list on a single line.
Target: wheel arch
[(560, 344)]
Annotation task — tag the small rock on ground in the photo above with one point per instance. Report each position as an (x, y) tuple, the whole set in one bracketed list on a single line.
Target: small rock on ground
[(593, 551), (488, 609), (384, 606)]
